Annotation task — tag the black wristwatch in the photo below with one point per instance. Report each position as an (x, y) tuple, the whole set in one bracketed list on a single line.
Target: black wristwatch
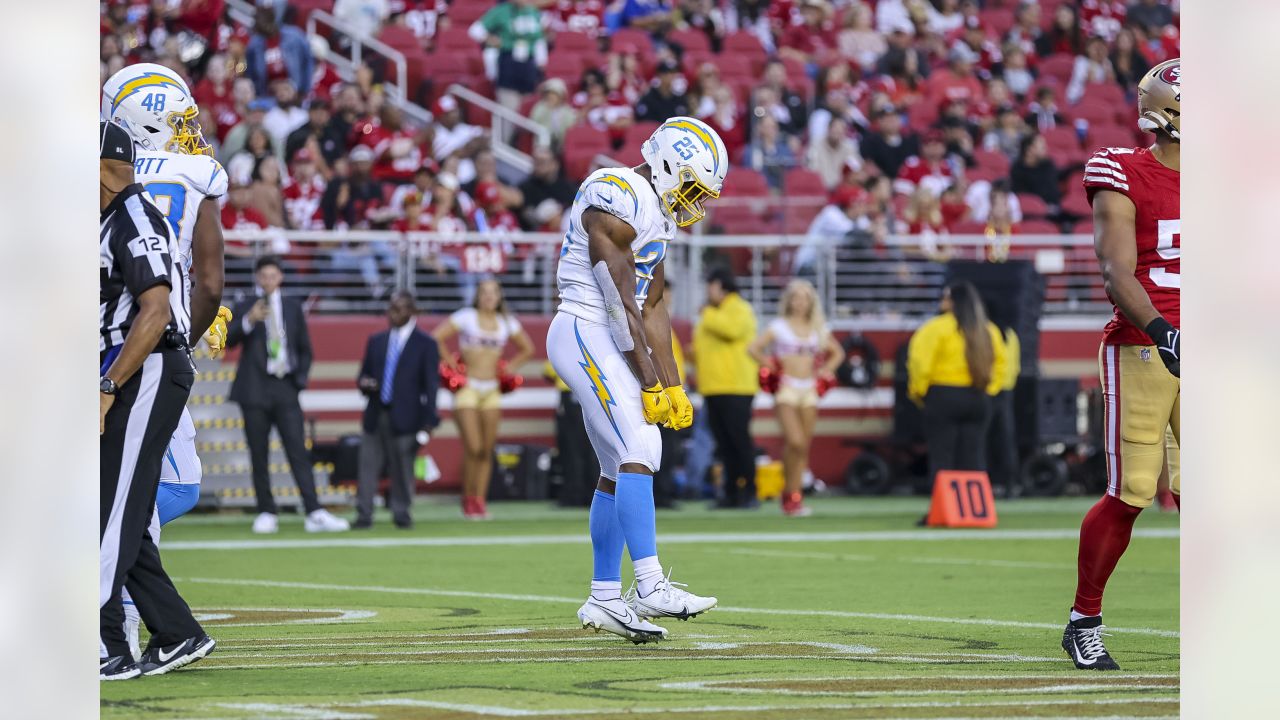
[(107, 386)]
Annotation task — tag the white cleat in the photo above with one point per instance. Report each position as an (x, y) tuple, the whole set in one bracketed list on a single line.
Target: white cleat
[(324, 521), (668, 599), (266, 524), (617, 617)]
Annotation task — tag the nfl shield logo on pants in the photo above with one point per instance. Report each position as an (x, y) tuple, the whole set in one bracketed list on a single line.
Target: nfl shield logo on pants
[(1146, 354)]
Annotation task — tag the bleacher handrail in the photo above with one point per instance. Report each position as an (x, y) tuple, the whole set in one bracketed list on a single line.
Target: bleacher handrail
[(711, 241)]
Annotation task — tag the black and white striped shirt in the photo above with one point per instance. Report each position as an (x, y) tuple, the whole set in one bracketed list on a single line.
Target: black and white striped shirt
[(136, 252)]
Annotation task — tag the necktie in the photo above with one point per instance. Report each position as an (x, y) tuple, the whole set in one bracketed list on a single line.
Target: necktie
[(389, 370), (276, 363)]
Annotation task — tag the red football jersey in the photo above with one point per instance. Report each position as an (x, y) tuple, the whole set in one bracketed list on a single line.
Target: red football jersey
[(1153, 188)]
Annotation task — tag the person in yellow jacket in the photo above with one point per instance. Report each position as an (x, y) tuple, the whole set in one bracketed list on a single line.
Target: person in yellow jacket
[(728, 379), (956, 362)]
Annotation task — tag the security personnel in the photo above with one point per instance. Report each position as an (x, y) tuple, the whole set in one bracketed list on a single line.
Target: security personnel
[(147, 378)]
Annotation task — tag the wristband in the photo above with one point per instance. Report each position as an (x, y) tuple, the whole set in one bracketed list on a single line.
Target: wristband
[(1159, 330)]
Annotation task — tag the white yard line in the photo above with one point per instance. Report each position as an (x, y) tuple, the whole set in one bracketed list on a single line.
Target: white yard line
[(668, 539), (1020, 564), (751, 611)]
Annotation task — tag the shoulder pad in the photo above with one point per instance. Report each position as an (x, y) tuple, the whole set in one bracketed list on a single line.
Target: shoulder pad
[(613, 193)]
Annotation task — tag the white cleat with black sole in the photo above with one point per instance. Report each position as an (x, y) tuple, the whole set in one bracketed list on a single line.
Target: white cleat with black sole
[(617, 617), (670, 600)]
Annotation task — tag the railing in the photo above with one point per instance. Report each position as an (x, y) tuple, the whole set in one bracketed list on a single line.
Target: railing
[(894, 284), (503, 123)]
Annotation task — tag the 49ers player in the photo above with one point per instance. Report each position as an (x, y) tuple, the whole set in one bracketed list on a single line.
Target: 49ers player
[(1137, 236)]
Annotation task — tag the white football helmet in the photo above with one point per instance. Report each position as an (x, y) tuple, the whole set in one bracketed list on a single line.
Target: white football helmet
[(155, 105), (687, 163)]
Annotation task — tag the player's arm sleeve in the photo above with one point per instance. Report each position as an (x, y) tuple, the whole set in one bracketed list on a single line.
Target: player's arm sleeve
[(920, 354), (1104, 171)]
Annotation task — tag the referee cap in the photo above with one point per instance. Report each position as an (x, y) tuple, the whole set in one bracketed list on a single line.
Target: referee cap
[(114, 142)]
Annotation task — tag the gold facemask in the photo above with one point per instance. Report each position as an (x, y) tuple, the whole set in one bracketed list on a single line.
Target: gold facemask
[(685, 201), (187, 138)]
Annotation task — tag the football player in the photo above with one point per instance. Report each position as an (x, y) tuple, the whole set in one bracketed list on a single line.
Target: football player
[(1137, 237), (610, 342), (176, 166)]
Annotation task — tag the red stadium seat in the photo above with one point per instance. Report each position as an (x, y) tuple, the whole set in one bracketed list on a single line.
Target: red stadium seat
[(581, 144), (744, 45), (1084, 227), (693, 60), (1095, 112), (631, 37), (1058, 66), (1076, 203), (638, 133), (986, 172), (800, 181), (691, 40), (735, 219), (922, 115), (575, 41), (1062, 137), (1033, 206), (1111, 136), (1108, 93), (1038, 227), (745, 182), (454, 37), (1067, 157), (399, 37), (998, 20), (464, 12), (566, 66), (968, 227), (993, 159)]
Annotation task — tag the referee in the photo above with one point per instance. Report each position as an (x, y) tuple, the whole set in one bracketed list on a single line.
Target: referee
[(147, 376)]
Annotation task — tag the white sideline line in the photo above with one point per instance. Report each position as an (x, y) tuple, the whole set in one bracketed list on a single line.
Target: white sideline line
[(1134, 681), (328, 709), (668, 539), (576, 601)]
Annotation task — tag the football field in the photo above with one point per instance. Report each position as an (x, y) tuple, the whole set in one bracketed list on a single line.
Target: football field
[(851, 613)]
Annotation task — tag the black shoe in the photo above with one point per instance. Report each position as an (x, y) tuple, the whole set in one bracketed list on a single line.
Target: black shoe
[(362, 525), (405, 524), (1083, 642), (160, 660), (120, 667)]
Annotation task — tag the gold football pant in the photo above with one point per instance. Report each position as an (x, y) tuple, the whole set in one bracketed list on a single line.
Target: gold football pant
[(1140, 404)]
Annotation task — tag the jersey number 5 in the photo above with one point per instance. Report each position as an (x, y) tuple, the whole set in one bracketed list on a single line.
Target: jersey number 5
[(1169, 247)]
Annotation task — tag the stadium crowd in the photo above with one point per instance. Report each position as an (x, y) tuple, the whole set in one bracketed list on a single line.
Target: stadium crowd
[(848, 119)]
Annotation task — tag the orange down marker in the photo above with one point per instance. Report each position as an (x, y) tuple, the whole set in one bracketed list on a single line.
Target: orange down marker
[(962, 498)]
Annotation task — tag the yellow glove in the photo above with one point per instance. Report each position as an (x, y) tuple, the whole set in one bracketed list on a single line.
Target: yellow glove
[(216, 335), (681, 409), (656, 404)]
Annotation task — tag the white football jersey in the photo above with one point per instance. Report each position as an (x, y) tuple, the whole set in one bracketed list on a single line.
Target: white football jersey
[(624, 193), (178, 184)]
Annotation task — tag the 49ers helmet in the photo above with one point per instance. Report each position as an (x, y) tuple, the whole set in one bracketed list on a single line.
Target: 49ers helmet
[(1160, 99)]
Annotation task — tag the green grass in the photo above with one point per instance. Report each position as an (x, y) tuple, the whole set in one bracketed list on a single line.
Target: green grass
[(962, 624)]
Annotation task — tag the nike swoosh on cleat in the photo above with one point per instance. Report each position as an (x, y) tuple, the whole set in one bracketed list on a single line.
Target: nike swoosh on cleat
[(166, 658)]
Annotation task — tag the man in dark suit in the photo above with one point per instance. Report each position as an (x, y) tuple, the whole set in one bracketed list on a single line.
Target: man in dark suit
[(274, 366), (400, 375)]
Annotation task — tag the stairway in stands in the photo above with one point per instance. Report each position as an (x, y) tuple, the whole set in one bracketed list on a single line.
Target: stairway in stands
[(220, 443)]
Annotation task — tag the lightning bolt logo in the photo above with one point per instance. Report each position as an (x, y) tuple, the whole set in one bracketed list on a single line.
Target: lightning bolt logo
[(151, 79), (596, 375)]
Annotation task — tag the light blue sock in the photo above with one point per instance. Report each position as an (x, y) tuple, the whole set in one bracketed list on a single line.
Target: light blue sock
[(636, 515), (606, 539)]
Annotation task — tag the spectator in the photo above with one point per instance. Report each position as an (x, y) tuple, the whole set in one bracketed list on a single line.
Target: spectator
[(943, 17), (858, 41), (790, 110), (652, 16), (726, 119), (239, 214), (703, 15), (303, 192), (993, 202), (664, 100), (399, 375), (894, 16), (352, 197), (364, 16), (900, 70), (266, 190), (1150, 13), (1042, 113), (835, 154), (275, 366), (803, 353), (624, 75), (923, 217), (215, 94), (812, 41), (886, 146), (727, 379), (492, 215), (770, 153), (1129, 64), (1017, 75), (1092, 68), (838, 103), (453, 138), (553, 112), (1065, 36), (546, 193), (988, 55), (325, 80), (317, 134), (397, 148), (512, 31), (487, 172), (483, 330), (1026, 30), (238, 138), (286, 115), (1034, 172), (929, 170), (603, 110), (348, 107), (844, 221), (955, 363), (581, 16), (277, 52), (1006, 136), (424, 180), (446, 212), (956, 83)]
